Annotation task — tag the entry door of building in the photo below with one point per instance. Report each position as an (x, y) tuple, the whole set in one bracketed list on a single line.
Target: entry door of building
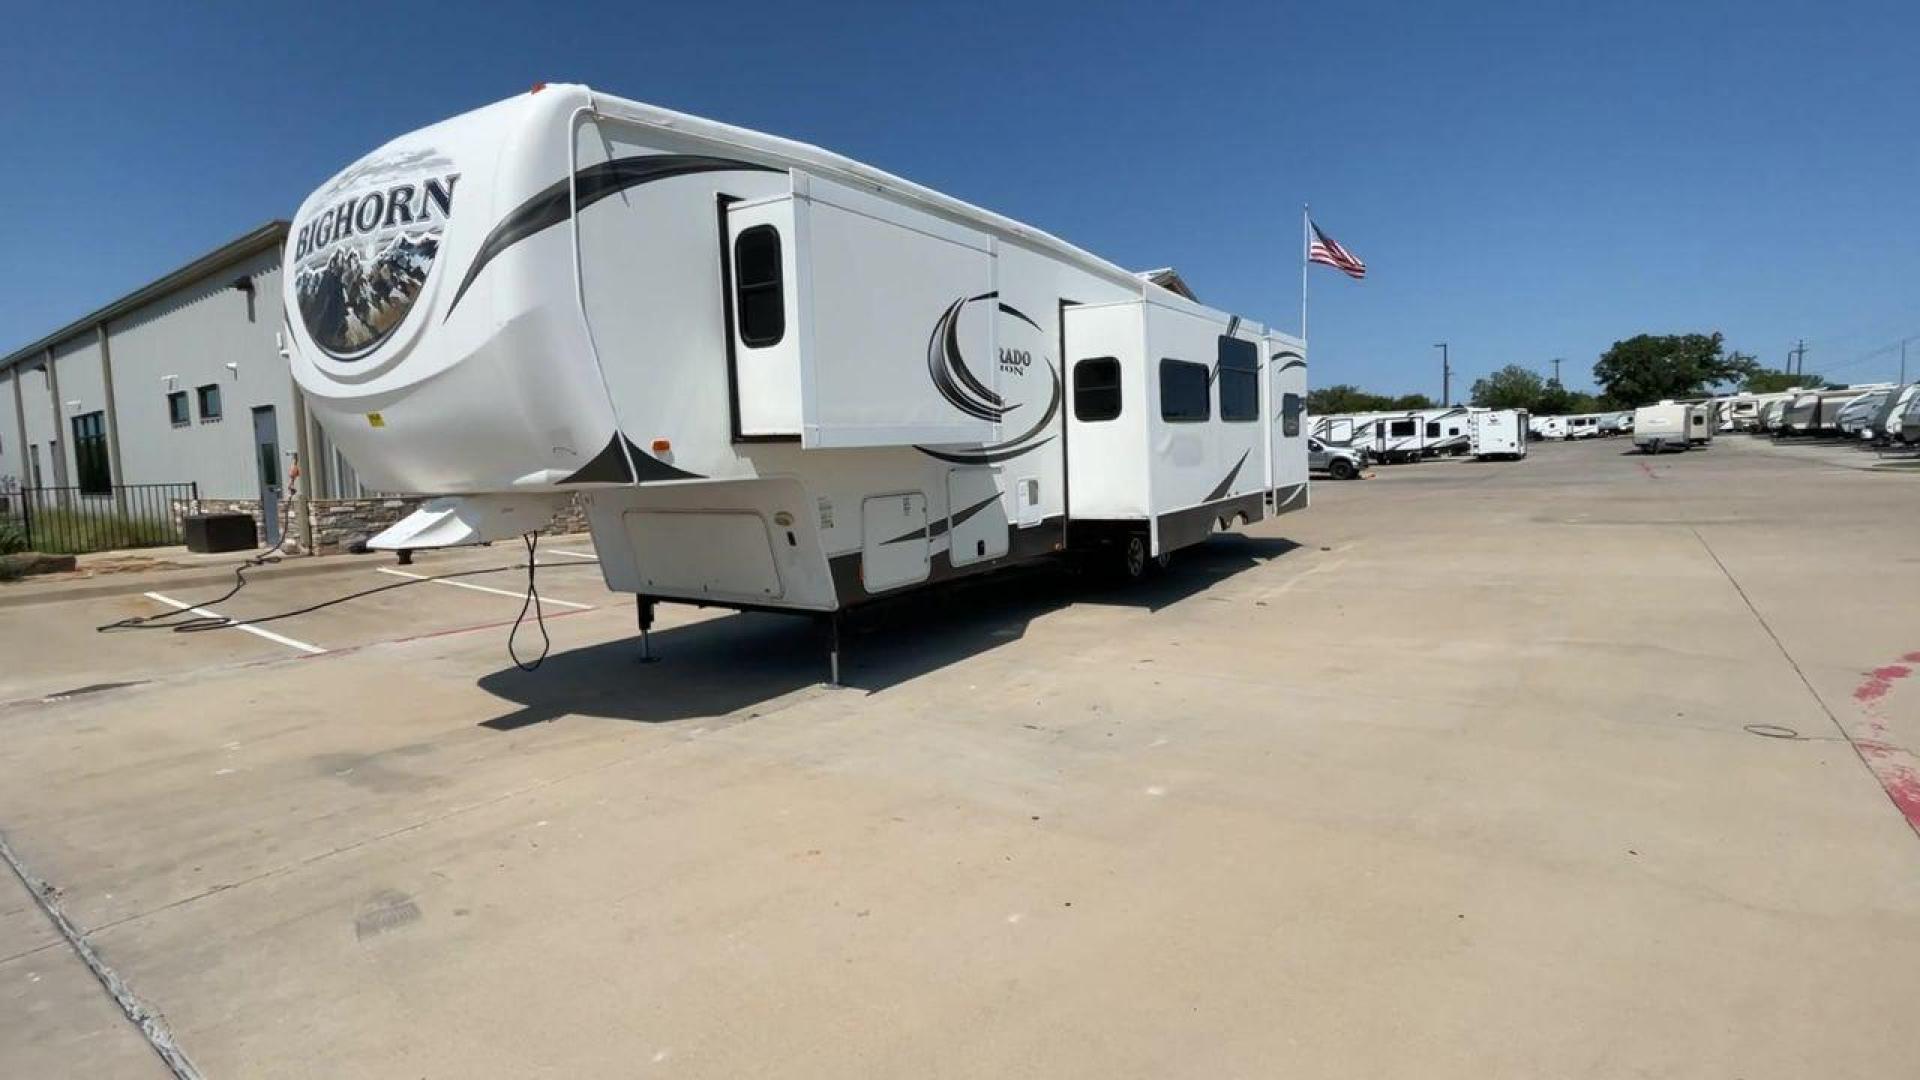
[(266, 452)]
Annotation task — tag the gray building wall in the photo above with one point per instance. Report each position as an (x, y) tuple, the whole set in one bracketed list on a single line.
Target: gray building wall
[(183, 342), (43, 439), (11, 445), (77, 370)]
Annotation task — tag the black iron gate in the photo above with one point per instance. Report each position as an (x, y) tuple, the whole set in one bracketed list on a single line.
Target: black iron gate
[(74, 520)]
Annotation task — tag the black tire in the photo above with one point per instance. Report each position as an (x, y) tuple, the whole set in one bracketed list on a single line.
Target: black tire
[(1130, 557), (1342, 469)]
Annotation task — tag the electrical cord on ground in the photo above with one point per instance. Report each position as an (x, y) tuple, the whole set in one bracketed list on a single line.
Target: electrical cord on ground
[(539, 617), (173, 620)]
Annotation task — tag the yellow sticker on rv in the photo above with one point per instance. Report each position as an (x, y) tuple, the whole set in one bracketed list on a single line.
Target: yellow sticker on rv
[(376, 420)]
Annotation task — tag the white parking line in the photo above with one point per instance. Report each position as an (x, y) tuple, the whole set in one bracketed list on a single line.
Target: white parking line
[(575, 554), (482, 588), (254, 630)]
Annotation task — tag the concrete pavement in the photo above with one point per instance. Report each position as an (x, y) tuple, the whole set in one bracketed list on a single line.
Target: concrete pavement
[(1449, 776)]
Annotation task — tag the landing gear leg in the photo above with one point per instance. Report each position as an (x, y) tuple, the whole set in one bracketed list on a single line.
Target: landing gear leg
[(833, 649), (645, 613)]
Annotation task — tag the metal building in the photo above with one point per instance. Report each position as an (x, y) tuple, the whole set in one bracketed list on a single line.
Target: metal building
[(180, 383)]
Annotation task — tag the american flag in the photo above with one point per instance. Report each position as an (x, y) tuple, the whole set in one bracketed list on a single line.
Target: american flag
[(1325, 249)]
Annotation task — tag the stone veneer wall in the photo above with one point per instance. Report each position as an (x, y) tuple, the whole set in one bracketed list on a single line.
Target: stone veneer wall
[(339, 523)]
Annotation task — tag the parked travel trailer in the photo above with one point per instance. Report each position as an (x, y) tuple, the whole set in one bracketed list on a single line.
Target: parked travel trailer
[(1400, 437), (775, 377), (1908, 428), (1615, 423), (1888, 424), (1666, 426), (1498, 433), (1445, 431), (1817, 412), (1583, 426), (1344, 429), (1855, 419), (1547, 427), (1773, 414), (1700, 423)]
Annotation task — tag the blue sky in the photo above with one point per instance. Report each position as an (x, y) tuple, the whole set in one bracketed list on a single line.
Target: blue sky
[(1525, 179)]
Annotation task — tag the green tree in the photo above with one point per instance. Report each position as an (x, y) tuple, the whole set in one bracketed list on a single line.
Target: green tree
[(1649, 367), (1411, 402), (1771, 381), (1344, 398), (1512, 387)]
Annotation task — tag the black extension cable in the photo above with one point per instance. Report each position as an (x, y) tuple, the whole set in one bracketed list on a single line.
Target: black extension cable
[(173, 620)]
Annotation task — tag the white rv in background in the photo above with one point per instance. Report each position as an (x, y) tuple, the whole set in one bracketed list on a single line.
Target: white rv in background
[(1445, 430), (1498, 433), (1583, 426), (1701, 423), (1666, 426), (775, 377), (1548, 427)]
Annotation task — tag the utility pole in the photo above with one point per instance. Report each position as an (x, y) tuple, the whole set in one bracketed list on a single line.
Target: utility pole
[(1903, 360), (1797, 358), (1446, 376), (1556, 371)]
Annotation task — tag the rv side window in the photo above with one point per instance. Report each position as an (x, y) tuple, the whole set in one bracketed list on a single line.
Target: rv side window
[(1290, 415), (757, 287), (1401, 429), (1096, 389), (1239, 380), (1433, 429), (1183, 392)]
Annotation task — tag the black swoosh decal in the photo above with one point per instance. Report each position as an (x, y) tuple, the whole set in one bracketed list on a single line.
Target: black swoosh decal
[(553, 204), (609, 466), (936, 529), (1011, 448), (951, 376), (1220, 489), (982, 457)]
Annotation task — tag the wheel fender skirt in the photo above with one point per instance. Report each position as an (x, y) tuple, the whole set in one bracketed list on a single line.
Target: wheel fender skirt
[(470, 519)]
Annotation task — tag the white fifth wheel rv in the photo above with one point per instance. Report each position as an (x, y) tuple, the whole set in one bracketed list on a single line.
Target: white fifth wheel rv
[(775, 377), (1498, 433)]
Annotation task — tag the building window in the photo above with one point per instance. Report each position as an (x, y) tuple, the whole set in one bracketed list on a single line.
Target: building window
[(1290, 411), (90, 453), (1401, 429), (209, 402), (177, 409), (1096, 389), (1183, 392), (757, 287), (1239, 380)]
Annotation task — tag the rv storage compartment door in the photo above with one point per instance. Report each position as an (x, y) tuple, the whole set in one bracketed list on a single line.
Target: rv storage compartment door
[(898, 312), (726, 555), (976, 517), (894, 543), (766, 338)]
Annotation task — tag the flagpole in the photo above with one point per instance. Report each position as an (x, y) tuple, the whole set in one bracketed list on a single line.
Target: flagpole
[(1306, 245)]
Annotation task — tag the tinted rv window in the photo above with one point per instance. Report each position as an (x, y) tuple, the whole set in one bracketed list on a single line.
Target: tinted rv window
[(1096, 389), (1239, 380), (1290, 415), (1183, 392), (756, 287), (1401, 429)]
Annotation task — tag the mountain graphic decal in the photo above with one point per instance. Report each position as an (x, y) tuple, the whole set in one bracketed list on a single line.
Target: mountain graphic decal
[(363, 257)]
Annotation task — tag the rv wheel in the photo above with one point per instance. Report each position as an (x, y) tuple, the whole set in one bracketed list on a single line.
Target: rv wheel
[(1132, 562)]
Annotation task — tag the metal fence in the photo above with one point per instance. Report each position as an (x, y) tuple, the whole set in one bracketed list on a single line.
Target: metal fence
[(69, 521)]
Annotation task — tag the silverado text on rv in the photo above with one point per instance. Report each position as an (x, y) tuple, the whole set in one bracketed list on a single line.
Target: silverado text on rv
[(775, 377)]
